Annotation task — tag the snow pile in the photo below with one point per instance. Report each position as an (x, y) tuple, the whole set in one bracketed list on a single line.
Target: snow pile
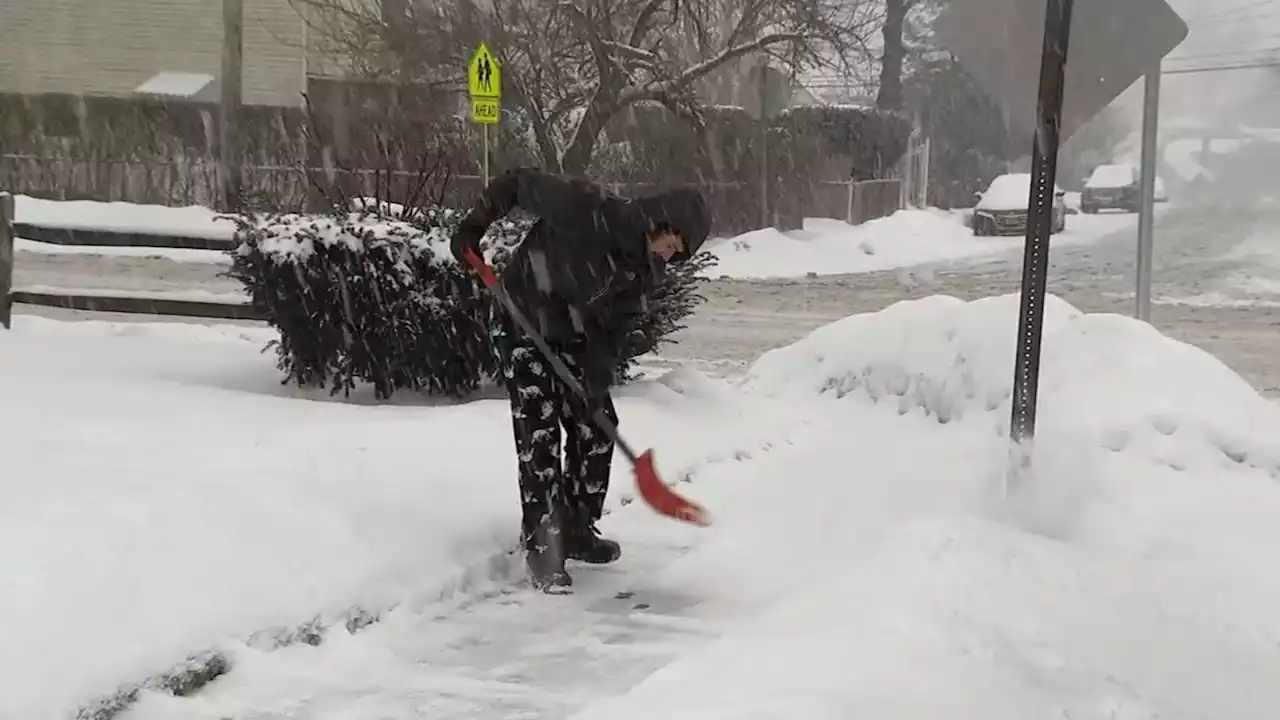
[(1109, 376), (830, 247), (870, 573), (162, 493)]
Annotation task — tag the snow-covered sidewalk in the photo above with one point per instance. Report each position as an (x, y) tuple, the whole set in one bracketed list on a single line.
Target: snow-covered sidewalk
[(163, 494)]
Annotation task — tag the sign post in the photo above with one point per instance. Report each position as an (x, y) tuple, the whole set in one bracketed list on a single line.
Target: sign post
[(1035, 258), (484, 86), (1020, 60), (1146, 214)]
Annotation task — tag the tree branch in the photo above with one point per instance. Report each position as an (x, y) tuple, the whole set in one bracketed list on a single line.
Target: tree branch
[(700, 70), (645, 17)]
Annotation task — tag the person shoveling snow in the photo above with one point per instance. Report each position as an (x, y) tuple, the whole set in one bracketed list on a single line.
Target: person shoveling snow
[(590, 258)]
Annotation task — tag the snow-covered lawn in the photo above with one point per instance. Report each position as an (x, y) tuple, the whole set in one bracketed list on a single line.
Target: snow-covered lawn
[(193, 221), (908, 237), (161, 493)]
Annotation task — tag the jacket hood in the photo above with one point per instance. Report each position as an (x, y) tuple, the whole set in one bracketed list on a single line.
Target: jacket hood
[(684, 211)]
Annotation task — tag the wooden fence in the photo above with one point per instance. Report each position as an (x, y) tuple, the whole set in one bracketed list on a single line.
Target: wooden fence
[(855, 202), (132, 302)]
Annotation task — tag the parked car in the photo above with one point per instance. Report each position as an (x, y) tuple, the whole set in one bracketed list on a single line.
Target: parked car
[(1111, 187), (1002, 208)]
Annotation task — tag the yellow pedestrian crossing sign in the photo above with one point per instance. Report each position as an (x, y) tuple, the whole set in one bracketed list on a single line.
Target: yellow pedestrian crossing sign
[(484, 75)]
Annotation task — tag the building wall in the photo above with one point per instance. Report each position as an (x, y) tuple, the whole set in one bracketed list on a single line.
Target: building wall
[(109, 47)]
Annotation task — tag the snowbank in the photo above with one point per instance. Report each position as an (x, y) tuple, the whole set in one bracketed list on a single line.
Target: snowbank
[(163, 494), (1112, 377), (876, 570)]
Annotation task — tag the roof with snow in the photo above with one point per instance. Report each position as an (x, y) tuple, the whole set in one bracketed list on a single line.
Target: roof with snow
[(180, 85)]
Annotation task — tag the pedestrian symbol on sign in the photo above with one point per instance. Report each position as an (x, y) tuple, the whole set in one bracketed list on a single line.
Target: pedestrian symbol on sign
[(484, 75)]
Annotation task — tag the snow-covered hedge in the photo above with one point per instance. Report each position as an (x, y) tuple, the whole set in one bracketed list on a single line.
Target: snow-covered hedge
[(374, 296)]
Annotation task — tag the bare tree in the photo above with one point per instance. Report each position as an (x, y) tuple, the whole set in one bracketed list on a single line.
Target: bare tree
[(570, 66)]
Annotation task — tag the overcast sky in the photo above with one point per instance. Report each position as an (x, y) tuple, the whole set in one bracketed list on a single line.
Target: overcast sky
[(1228, 31)]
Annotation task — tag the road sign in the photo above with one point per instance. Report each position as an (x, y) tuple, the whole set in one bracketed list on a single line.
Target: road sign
[(485, 111), (484, 75), (1055, 41), (1113, 44)]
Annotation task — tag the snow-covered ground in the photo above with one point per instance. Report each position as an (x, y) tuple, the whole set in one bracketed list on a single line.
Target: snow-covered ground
[(1255, 281), (825, 247), (193, 221), (162, 493), (906, 238)]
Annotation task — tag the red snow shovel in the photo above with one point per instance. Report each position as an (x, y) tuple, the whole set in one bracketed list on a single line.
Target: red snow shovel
[(660, 497)]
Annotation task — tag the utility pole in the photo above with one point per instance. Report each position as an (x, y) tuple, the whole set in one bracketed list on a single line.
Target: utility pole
[(230, 156), (1147, 192), (766, 217)]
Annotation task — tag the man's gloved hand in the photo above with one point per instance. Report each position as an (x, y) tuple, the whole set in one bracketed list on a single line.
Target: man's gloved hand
[(598, 358), (462, 241)]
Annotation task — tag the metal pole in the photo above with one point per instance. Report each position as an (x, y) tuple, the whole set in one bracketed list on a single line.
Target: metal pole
[(485, 130), (924, 185), (765, 219), (230, 157), (1147, 188), (6, 259), (1035, 259)]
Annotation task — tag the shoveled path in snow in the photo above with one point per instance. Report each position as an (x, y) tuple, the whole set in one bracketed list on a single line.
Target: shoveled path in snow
[(503, 652)]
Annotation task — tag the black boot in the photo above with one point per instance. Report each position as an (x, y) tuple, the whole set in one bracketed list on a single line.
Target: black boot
[(585, 544), (545, 559)]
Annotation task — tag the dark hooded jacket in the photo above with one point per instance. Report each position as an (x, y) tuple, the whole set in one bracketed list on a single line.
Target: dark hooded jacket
[(585, 264)]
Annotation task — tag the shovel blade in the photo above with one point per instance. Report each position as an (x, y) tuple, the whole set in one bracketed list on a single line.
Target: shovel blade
[(662, 498)]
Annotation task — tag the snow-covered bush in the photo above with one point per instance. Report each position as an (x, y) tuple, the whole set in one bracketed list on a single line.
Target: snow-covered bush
[(375, 296)]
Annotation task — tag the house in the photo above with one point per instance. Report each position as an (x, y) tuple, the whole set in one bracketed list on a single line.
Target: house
[(123, 48)]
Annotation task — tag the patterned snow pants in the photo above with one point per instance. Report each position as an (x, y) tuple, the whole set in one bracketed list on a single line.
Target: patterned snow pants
[(556, 495)]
